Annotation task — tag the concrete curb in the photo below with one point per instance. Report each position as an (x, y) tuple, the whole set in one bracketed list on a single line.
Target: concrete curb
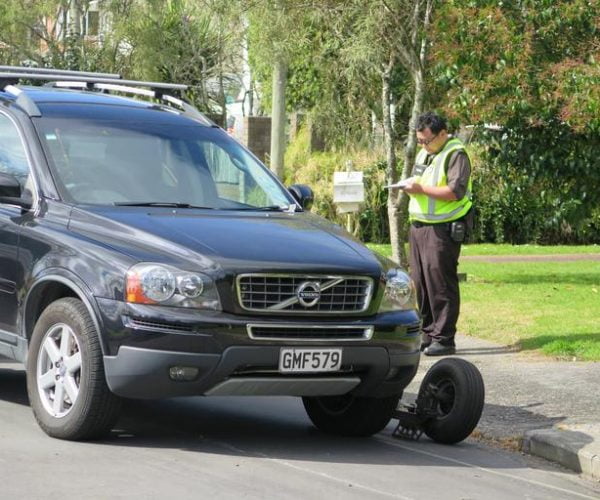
[(575, 447)]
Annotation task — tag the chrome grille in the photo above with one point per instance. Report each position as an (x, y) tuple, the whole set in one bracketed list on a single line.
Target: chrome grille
[(280, 293), (309, 332)]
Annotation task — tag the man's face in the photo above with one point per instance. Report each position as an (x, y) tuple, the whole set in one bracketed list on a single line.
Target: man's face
[(430, 141)]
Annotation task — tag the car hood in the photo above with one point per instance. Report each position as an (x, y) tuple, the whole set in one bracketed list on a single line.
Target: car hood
[(235, 240)]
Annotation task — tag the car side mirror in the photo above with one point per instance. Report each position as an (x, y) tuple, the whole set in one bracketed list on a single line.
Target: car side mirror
[(10, 191), (303, 195)]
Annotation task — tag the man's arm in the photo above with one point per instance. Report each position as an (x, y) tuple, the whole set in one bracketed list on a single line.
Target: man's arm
[(437, 192)]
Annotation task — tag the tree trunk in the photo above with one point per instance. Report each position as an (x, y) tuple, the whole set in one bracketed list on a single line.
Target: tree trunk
[(222, 98), (278, 121), (411, 148), (74, 29), (251, 98), (389, 139), (74, 34)]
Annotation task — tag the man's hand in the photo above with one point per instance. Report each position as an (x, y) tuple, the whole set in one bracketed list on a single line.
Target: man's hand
[(413, 187)]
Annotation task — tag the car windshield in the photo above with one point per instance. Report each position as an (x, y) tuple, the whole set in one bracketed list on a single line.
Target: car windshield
[(143, 163)]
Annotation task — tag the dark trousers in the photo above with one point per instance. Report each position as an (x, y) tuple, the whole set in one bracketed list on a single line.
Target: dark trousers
[(433, 267)]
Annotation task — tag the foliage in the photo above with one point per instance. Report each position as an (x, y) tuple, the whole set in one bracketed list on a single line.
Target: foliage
[(174, 41), (332, 72), (180, 41), (537, 175), (316, 170), (528, 66), (534, 186), (37, 33), (277, 30)]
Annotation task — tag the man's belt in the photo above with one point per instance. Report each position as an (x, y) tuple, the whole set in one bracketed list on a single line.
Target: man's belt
[(418, 223)]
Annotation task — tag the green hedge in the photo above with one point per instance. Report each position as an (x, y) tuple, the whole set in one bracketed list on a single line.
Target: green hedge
[(537, 185), (513, 204)]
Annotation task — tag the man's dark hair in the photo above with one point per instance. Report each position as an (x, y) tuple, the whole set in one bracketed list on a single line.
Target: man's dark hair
[(432, 121)]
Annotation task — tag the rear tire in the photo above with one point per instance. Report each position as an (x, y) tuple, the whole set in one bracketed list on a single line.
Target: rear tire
[(350, 416), (458, 394), (65, 374)]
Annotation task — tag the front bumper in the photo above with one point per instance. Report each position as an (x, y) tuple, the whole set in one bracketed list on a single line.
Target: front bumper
[(139, 361), (144, 373)]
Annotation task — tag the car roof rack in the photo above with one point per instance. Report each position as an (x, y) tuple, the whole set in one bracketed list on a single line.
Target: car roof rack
[(56, 77), (95, 81), (151, 92), (51, 71)]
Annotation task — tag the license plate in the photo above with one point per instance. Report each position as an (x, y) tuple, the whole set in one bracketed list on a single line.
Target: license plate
[(309, 360)]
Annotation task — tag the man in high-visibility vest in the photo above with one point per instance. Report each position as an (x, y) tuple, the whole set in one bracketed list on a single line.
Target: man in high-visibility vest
[(439, 211)]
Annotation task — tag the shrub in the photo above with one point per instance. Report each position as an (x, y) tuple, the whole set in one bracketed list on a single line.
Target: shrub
[(316, 170)]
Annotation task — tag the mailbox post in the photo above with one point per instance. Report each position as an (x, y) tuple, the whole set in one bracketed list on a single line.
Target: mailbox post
[(348, 192)]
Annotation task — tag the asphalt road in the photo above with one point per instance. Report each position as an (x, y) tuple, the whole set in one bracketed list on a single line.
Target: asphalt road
[(252, 448)]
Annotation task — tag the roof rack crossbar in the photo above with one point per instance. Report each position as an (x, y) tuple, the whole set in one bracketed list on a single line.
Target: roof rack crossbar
[(61, 72), (104, 86), (90, 79)]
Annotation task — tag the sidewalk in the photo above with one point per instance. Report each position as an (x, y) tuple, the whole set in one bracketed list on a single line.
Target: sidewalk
[(540, 406)]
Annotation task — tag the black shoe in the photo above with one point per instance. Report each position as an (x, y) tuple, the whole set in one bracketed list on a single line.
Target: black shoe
[(425, 345), (437, 349)]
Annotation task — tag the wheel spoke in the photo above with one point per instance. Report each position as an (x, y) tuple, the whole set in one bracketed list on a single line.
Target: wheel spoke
[(65, 342), (71, 388), (73, 363), (59, 396), (47, 380), (51, 349)]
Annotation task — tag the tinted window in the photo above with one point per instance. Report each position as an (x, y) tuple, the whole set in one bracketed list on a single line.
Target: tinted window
[(13, 159), (108, 162)]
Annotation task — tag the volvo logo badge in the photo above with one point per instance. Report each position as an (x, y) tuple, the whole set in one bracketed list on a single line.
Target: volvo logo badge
[(308, 293)]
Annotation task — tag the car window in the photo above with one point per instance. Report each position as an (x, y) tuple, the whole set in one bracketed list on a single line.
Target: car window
[(236, 177), (13, 159), (108, 162)]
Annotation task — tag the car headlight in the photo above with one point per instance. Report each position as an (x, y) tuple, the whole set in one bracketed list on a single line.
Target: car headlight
[(150, 283), (400, 294)]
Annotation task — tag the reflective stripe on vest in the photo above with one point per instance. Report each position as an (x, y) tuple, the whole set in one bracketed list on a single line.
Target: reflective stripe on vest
[(424, 208)]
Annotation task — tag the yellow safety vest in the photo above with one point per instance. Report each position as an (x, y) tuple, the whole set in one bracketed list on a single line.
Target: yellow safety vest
[(426, 209)]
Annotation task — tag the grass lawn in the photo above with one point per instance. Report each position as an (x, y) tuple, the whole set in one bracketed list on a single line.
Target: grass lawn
[(549, 307), (486, 249)]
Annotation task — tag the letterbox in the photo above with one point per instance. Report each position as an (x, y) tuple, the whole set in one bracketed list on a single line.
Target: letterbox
[(348, 191)]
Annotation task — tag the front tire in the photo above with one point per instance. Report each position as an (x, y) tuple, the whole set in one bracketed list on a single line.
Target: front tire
[(65, 374), (350, 416)]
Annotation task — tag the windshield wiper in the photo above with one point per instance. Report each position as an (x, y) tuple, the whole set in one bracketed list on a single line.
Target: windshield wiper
[(157, 204), (268, 208)]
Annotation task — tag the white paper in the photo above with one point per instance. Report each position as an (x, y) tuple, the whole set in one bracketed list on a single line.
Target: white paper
[(401, 184)]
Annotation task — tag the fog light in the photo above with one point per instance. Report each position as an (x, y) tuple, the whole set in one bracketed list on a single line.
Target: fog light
[(183, 373)]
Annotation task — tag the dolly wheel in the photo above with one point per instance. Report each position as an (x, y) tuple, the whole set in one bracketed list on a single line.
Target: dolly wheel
[(453, 395)]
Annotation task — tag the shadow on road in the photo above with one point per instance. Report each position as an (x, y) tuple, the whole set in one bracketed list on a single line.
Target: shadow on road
[(13, 386), (274, 428)]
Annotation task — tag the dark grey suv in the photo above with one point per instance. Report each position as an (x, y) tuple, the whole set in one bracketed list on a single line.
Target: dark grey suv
[(144, 253)]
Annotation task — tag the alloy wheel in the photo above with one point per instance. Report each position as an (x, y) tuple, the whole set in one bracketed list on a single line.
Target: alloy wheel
[(59, 370)]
